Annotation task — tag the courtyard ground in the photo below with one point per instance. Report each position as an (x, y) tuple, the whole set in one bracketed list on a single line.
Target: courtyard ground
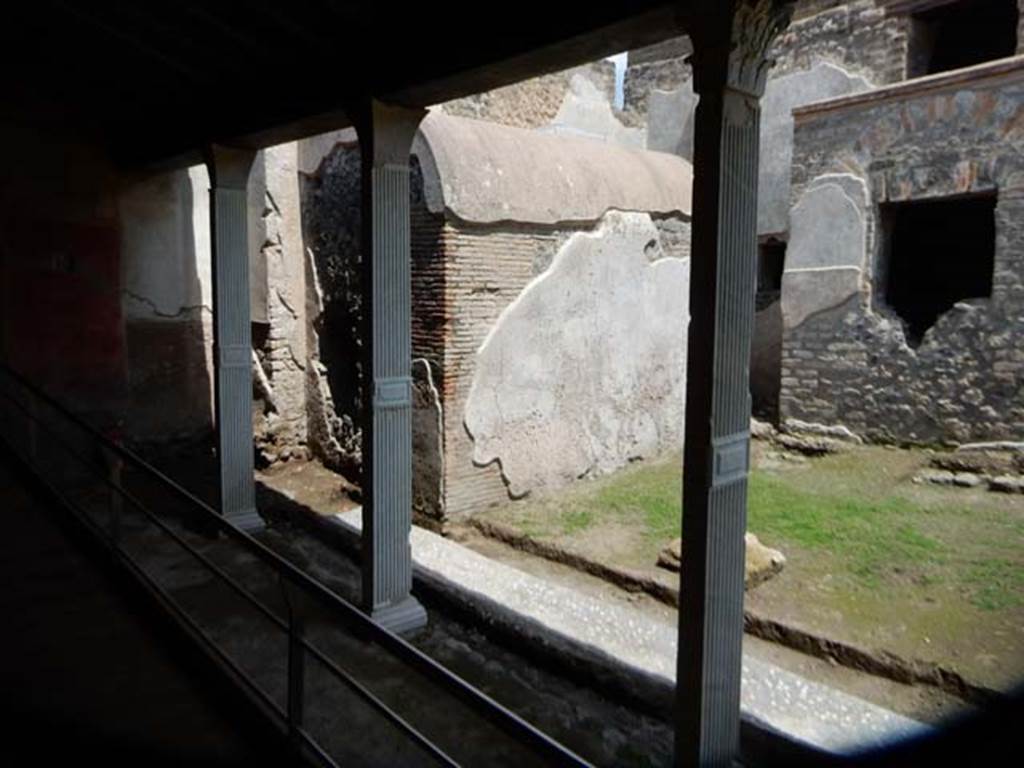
[(632, 513), (926, 573)]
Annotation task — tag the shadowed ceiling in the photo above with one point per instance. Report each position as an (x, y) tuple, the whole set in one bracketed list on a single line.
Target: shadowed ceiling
[(153, 80)]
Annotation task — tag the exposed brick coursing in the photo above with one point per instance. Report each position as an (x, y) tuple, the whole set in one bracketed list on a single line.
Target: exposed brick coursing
[(486, 269), (851, 364)]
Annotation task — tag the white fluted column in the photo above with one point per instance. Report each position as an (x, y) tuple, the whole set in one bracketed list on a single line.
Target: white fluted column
[(731, 40), (229, 174), (385, 138)]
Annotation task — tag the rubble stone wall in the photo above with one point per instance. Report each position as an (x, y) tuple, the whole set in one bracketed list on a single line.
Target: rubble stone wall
[(167, 303), (845, 356), (532, 103), (281, 352), (862, 37)]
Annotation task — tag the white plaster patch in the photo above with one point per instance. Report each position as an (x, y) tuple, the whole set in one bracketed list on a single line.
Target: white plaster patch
[(586, 370), (165, 245), (824, 80), (827, 248), (586, 111)]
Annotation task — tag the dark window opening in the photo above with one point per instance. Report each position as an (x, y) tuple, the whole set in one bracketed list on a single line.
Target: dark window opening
[(962, 34), (766, 347), (937, 253), (771, 260)]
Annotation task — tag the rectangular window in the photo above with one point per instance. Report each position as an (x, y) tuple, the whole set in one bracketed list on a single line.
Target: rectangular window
[(771, 260), (937, 252), (961, 34)]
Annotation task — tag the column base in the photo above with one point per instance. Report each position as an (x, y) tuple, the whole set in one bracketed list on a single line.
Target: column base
[(248, 520), (401, 618)]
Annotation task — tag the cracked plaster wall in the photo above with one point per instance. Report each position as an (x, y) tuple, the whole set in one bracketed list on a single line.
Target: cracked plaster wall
[(464, 274), (845, 356), (830, 49), (584, 371), (166, 295), (166, 300)]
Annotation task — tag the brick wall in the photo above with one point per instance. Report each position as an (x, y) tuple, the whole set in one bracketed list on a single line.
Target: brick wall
[(485, 270), (851, 364)]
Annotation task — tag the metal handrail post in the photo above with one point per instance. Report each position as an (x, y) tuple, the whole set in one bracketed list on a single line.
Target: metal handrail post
[(32, 415), (115, 465), (296, 662)]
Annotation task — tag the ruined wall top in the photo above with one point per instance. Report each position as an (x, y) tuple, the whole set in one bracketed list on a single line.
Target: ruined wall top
[(485, 173)]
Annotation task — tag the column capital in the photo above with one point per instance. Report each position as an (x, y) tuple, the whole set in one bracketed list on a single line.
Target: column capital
[(386, 131), (731, 41), (228, 166)]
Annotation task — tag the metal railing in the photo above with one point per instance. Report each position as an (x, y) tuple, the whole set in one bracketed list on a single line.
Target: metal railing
[(93, 487)]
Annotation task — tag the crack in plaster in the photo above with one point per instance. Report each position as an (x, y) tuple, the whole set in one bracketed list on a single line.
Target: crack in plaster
[(186, 308)]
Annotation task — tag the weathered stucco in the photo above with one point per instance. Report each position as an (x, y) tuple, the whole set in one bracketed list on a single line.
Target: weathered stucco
[(484, 173), (586, 111), (944, 136), (532, 103), (670, 129), (670, 120), (464, 274), (827, 247), (166, 285), (585, 370), (782, 94), (167, 305)]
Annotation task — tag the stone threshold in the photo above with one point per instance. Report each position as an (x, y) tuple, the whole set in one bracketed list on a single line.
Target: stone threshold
[(875, 662), (623, 650)]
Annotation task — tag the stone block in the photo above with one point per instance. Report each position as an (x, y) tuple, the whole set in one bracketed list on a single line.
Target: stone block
[(760, 563)]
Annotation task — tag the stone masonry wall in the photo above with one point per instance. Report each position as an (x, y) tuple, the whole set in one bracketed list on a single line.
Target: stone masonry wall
[(862, 37), (463, 278), (845, 357), (331, 207), (333, 223), (167, 303), (281, 354), (532, 103), (1020, 26)]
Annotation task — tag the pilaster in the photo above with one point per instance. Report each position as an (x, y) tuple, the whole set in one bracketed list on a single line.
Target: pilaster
[(385, 135), (229, 173), (731, 41)]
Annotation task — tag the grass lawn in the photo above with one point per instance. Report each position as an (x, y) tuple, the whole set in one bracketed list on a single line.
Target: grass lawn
[(926, 572)]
